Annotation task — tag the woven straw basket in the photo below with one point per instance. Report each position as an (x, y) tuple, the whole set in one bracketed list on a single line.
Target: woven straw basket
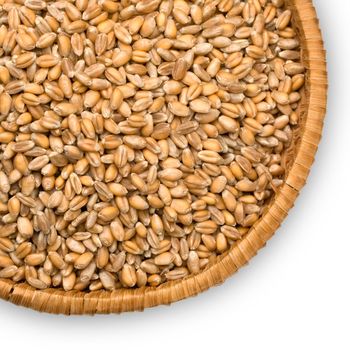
[(300, 159)]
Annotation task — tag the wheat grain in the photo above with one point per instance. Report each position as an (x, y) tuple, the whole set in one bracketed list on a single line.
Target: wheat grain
[(138, 141)]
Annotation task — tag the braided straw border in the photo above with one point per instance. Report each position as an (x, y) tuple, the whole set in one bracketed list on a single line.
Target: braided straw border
[(312, 111)]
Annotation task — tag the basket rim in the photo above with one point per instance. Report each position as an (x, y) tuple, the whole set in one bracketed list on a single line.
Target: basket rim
[(74, 302)]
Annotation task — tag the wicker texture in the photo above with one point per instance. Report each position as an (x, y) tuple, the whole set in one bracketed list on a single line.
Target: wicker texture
[(300, 159)]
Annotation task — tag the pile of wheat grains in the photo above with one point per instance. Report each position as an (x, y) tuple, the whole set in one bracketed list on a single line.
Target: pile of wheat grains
[(139, 139)]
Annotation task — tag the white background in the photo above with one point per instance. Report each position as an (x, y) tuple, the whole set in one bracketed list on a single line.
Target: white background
[(293, 295)]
